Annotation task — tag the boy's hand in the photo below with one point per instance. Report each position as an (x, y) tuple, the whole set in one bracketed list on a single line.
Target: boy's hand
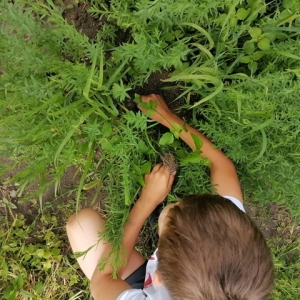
[(162, 112), (157, 187)]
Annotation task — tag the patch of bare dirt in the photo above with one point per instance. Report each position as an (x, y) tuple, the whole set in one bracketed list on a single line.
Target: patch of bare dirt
[(60, 202), (76, 14), (168, 90), (276, 223)]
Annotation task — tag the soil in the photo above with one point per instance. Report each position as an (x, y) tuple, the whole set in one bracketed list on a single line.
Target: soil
[(275, 222), (51, 203), (77, 15)]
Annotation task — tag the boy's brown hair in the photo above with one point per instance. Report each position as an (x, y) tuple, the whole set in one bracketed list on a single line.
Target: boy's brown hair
[(210, 250)]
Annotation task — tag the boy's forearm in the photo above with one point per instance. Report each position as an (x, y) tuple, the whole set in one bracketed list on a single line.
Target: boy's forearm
[(137, 217), (208, 149)]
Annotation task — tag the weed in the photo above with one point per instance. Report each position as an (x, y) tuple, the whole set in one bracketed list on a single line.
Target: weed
[(33, 265)]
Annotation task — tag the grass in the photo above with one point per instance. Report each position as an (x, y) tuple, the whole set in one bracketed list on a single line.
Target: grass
[(65, 99)]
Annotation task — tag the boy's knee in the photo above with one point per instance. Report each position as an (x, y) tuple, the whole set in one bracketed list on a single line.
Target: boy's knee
[(79, 217)]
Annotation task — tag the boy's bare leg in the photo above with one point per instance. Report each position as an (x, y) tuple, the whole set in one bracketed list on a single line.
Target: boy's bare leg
[(82, 230)]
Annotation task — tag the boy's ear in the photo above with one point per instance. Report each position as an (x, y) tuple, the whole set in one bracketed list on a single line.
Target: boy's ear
[(157, 279)]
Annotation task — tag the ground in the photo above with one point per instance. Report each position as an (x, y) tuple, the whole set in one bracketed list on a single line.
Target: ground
[(274, 220)]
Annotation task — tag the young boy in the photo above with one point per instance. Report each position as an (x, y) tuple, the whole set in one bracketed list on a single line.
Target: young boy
[(208, 249)]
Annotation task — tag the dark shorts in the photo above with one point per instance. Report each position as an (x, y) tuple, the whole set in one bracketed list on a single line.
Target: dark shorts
[(137, 278)]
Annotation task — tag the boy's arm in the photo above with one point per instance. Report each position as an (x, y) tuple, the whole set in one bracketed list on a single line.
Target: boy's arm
[(222, 170), (157, 186)]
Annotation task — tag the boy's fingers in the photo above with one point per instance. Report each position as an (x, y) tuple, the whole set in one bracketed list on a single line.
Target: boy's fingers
[(146, 98), (156, 168), (171, 180)]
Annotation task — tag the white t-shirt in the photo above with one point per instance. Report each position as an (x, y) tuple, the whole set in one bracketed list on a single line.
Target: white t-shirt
[(149, 292)]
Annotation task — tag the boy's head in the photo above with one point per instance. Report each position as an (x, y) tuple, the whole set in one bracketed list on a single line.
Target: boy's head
[(210, 250)]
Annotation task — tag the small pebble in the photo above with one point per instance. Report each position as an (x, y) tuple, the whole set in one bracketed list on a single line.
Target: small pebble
[(13, 194)]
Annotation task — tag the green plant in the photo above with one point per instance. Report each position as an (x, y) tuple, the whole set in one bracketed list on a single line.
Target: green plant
[(32, 262)]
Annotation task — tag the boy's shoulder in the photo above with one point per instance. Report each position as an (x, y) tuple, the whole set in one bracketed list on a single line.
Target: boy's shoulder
[(236, 202)]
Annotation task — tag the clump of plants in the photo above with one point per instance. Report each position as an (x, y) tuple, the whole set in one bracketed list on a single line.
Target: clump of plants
[(233, 68), (33, 263)]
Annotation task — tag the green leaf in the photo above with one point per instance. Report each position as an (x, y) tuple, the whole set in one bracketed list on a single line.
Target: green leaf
[(176, 130), (197, 140), (166, 139), (119, 91), (245, 59), (113, 77), (39, 287), (264, 44), (184, 127), (252, 66), (152, 104), (137, 169), (249, 47), (257, 56), (127, 196), (107, 129), (106, 144), (137, 99), (85, 172), (204, 32), (86, 90), (10, 293), (47, 254), (204, 49), (229, 14), (20, 281), (70, 133), (146, 168), (233, 22), (255, 32), (280, 52), (91, 184), (180, 153), (55, 251), (264, 146), (48, 235), (142, 147), (149, 107), (192, 158), (242, 13), (47, 264), (3, 266), (39, 252), (169, 37), (140, 180), (176, 144)]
